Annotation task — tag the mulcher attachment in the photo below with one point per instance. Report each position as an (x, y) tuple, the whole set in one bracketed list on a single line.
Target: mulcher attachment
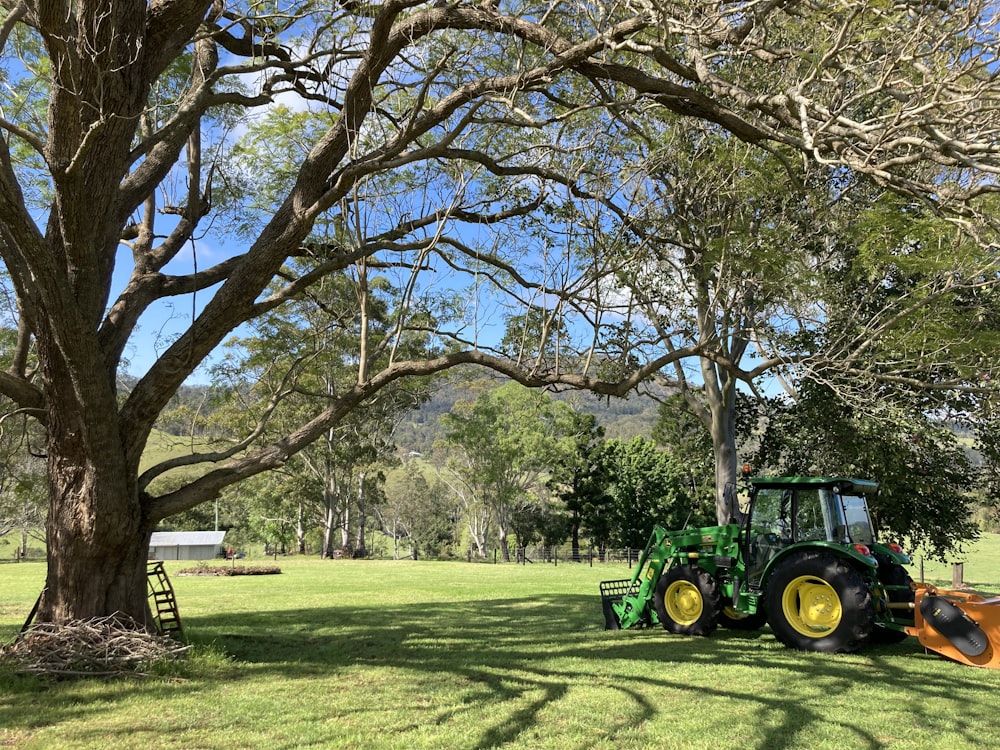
[(958, 625), (961, 630)]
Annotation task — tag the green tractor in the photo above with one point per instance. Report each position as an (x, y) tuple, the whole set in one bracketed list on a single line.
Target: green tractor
[(803, 558)]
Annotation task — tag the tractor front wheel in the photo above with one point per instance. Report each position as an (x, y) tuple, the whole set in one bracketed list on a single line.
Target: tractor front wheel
[(687, 601), (818, 602)]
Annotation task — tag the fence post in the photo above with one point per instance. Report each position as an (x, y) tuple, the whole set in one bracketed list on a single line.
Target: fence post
[(957, 574)]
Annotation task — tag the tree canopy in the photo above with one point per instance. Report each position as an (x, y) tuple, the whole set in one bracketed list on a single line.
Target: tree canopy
[(484, 158)]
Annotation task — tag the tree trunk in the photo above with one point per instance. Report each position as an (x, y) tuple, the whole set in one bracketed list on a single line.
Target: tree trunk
[(359, 546), (98, 539), (723, 430), (328, 524), (345, 527), (724, 449), (300, 531), (720, 394), (504, 544), (477, 530), (502, 512)]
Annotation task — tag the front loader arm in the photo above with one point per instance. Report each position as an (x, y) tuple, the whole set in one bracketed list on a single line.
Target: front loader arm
[(628, 603)]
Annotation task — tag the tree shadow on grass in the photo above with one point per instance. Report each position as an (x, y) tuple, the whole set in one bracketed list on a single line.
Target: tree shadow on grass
[(509, 648), (509, 660)]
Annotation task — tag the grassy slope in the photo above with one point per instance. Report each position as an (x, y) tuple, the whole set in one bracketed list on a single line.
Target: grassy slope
[(162, 445), (344, 654)]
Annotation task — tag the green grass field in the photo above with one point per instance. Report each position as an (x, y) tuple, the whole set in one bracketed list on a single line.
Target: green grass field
[(368, 654)]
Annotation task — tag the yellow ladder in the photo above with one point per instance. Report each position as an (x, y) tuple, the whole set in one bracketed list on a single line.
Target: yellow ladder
[(163, 605)]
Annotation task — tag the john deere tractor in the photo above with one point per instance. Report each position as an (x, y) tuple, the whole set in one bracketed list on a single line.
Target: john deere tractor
[(802, 557)]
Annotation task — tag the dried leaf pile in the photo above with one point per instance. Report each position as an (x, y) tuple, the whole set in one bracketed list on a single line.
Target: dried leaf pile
[(104, 647), (237, 570)]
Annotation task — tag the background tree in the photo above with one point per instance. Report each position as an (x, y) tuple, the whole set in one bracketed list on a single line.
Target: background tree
[(293, 363), (578, 477), (23, 485), (22, 501), (438, 127), (647, 487), (506, 439), (679, 432), (418, 511), (925, 477), (474, 508), (536, 338)]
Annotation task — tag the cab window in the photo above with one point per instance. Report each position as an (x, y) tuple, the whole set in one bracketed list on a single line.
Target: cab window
[(810, 518), (770, 529)]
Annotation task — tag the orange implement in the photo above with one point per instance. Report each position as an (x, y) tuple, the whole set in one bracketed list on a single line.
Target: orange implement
[(958, 625)]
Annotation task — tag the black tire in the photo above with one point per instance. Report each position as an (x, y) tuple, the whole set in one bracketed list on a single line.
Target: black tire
[(893, 574), (736, 620), (687, 601), (818, 602)]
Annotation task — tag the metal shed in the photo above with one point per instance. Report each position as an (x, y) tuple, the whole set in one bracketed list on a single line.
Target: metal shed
[(185, 545)]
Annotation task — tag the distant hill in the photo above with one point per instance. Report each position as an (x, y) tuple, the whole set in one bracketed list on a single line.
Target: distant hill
[(620, 417)]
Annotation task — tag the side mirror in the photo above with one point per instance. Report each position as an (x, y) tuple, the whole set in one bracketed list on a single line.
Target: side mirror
[(733, 503)]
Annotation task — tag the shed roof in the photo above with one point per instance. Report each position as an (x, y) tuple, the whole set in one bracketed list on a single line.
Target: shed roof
[(186, 538)]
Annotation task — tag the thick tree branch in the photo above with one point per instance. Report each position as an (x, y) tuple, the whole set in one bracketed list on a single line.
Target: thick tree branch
[(273, 456)]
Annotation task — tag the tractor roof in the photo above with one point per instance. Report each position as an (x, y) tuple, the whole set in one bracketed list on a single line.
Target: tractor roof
[(863, 486)]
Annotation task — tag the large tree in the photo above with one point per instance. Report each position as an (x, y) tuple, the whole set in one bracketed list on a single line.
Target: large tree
[(733, 239), (738, 260), (438, 125), (503, 444)]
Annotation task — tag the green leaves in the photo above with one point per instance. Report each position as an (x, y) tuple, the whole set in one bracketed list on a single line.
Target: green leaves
[(647, 487), (925, 476)]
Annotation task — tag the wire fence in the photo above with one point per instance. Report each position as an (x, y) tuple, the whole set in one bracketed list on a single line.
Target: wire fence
[(555, 555)]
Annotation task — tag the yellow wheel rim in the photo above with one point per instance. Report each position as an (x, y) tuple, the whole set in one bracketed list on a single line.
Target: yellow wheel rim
[(811, 606), (683, 603), (734, 614)]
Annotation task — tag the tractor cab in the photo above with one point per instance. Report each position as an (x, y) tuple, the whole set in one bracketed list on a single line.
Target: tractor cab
[(795, 510)]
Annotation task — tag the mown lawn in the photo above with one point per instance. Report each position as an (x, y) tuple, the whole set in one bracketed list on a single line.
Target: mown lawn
[(369, 654)]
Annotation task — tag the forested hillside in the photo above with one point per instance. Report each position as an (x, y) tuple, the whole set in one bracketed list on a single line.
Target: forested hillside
[(192, 409), (620, 417)]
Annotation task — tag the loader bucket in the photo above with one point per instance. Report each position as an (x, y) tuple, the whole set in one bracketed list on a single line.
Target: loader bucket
[(612, 593), (958, 625)]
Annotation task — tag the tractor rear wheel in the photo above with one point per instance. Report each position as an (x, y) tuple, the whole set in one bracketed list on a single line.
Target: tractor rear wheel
[(818, 602), (687, 601)]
